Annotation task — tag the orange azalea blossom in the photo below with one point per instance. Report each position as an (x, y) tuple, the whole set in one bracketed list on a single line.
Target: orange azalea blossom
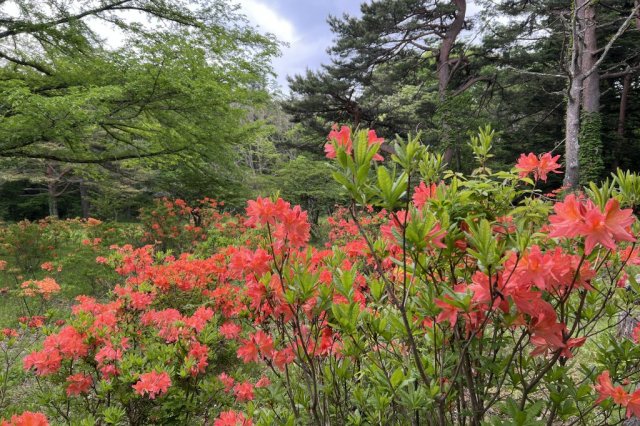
[(243, 391), (264, 211), (605, 390), (373, 139), (284, 357), (93, 222), (227, 381), (199, 354), (26, 419), (230, 330), (289, 226), (263, 382), (232, 418), (66, 344), (9, 332), (47, 266), (583, 218), (422, 193), (342, 138), (45, 287), (78, 383), (259, 343), (540, 166), (153, 384)]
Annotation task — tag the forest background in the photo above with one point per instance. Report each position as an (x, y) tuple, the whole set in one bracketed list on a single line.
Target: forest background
[(188, 105)]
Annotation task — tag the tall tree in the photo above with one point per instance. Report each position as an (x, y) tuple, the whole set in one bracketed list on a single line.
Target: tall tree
[(581, 45), (67, 97), (178, 85), (584, 90), (402, 40)]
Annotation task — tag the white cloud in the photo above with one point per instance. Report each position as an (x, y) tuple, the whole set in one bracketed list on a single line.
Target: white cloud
[(269, 20), (298, 52), (303, 54)]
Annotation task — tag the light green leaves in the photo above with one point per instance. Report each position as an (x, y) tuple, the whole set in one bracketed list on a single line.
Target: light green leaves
[(484, 245)]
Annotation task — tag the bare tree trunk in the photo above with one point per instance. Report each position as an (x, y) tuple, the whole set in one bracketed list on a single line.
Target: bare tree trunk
[(591, 160), (444, 68), (572, 120), (591, 91), (572, 130), (577, 76), (52, 190), (622, 118), (444, 55), (84, 200), (628, 323)]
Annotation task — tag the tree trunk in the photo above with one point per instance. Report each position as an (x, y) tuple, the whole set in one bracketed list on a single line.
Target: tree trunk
[(51, 190), (591, 91), (572, 120), (444, 69), (84, 200), (591, 161), (628, 323), (622, 118), (572, 130)]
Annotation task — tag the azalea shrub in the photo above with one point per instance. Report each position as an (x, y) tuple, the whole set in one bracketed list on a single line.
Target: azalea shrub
[(64, 250), (139, 358), (439, 299), (173, 224), (25, 244), (479, 300), (35, 317)]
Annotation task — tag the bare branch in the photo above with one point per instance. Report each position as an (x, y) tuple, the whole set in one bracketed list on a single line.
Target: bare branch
[(470, 82), (616, 36), (26, 63)]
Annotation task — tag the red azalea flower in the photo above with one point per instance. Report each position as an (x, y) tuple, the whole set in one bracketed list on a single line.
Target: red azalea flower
[(232, 418), (227, 381), (606, 390), (243, 391), (27, 419), (342, 138), (422, 193), (230, 330), (540, 166), (153, 384), (78, 383)]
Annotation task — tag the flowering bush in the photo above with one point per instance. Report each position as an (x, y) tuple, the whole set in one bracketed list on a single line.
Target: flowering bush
[(440, 299), (26, 419), (175, 225), (478, 299), (145, 355)]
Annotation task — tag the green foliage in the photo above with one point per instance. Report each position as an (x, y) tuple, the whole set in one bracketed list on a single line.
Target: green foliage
[(591, 153), (308, 183), (160, 112)]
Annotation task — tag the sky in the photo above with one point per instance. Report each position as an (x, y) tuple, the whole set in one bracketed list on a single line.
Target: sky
[(300, 23)]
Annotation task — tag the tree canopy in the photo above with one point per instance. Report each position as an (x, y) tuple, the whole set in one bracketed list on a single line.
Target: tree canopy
[(177, 84), (445, 68)]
